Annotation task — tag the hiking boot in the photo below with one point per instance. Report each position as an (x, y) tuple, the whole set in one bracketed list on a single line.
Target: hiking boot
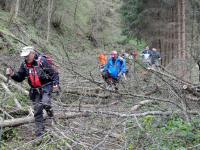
[(38, 140), (50, 113)]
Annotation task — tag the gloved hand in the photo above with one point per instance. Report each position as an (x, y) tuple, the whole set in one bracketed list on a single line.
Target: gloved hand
[(9, 72)]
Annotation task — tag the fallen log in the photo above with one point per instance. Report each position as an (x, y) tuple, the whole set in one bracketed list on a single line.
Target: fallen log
[(142, 103), (25, 120), (85, 113), (142, 114)]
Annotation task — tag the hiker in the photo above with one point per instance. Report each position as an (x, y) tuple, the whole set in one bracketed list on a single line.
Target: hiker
[(135, 54), (102, 60), (146, 57), (43, 80), (155, 58), (114, 69), (125, 58)]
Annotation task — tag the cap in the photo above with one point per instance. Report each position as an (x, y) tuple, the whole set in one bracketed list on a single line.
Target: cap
[(26, 51)]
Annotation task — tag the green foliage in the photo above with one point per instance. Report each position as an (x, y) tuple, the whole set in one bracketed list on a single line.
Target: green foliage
[(148, 121), (174, 133), (133, 17), (131, 147), (24, 100), (9, 134)]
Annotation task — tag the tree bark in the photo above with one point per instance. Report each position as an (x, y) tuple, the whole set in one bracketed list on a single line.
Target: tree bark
[(50, 7), (17, 8)]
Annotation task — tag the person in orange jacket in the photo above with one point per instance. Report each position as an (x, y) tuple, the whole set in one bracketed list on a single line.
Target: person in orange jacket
[(102, 60)]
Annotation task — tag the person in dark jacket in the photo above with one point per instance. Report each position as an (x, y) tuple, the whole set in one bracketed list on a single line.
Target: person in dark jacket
[(146, 57), (43, 80), (155, 60)]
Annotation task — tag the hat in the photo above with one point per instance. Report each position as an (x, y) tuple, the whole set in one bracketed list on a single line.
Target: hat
[(26, 51)]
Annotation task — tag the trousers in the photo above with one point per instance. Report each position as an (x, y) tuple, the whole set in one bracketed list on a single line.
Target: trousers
[(41, 99)]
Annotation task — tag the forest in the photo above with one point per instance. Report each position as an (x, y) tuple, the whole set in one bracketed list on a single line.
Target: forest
[(70, 99)]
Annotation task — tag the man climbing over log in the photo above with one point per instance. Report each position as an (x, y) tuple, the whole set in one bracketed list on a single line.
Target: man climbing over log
[(114, 69), (43, 80)]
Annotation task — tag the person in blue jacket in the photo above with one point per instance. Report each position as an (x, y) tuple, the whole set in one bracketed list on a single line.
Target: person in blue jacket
[(115, 68)]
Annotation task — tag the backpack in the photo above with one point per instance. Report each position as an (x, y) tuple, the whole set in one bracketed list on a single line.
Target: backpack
[(50, 61), (33, 70)]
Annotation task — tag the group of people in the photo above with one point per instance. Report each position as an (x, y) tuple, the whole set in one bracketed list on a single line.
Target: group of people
[(151, 58), (115, 67), (112, 69), (44, 79)]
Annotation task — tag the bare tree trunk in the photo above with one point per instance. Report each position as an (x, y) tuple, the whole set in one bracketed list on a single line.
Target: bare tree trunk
[(50, 7), (17, 8), (181, 37), (179, 28), (183, 29)]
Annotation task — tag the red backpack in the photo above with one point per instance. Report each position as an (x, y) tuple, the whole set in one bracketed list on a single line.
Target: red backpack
[(50, 61)]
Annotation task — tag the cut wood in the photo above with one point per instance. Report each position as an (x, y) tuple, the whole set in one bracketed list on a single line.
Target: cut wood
[(29, 119), (140, 104)]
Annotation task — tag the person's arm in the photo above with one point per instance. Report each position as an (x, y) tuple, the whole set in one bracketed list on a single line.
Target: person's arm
[(20, 75), (123, 69)]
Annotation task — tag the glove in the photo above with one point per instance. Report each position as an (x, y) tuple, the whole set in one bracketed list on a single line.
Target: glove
[(9, 72)]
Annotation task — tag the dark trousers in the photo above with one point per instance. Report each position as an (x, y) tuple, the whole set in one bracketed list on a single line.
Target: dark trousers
[(109, 79), (41, 99)]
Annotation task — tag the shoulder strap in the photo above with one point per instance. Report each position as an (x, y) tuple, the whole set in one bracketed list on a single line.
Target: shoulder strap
[(39, 60)]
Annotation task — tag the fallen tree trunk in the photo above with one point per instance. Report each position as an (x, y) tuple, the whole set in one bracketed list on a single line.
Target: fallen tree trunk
[(85, 113), (25, 120), (140, 104)]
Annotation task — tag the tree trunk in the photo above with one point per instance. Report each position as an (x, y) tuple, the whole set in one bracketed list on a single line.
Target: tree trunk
[(17, 8), (50, 7), (181, 29)]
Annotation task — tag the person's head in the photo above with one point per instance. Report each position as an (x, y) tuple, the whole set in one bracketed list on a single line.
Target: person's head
[(28, 53), (154, 49), (114, 54)]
